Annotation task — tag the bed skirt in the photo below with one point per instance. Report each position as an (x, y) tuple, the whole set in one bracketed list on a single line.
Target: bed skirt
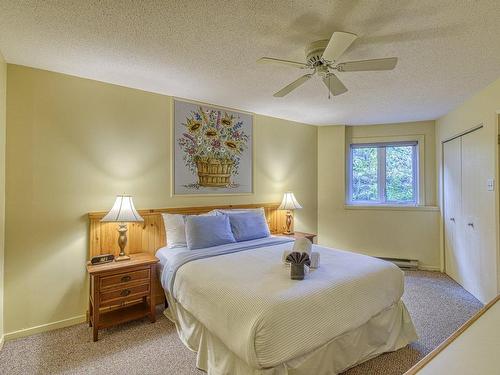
[(387, 331)]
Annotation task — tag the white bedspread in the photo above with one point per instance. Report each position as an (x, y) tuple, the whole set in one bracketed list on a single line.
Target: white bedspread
[(249, 302)]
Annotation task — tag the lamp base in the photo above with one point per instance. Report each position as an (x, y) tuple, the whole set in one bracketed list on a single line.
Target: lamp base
[(122, 242), (289, 220)]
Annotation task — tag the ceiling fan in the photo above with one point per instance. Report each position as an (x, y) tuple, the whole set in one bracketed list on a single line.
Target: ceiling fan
[(322, 57)]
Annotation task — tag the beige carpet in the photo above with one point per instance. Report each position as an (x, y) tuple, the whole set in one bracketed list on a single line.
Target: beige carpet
[(437, 305)]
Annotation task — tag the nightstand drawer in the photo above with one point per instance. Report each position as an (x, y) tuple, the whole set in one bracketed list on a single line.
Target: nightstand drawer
[(122, 278), (125, 294)]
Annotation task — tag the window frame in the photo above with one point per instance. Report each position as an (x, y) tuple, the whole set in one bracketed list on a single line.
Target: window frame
[(381, 147)]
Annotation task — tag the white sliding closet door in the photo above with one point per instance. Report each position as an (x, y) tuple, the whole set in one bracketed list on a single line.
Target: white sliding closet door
[(481, 278), (452, 173), (471, 195), (467, 213)]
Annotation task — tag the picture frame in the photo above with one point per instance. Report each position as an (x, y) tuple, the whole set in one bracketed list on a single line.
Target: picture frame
[(212, 150)]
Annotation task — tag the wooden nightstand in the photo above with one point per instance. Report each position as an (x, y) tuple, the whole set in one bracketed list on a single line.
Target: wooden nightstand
[(309, 236), (121, 291)]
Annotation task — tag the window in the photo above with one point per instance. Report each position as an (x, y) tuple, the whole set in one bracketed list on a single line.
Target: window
[(383, 173)]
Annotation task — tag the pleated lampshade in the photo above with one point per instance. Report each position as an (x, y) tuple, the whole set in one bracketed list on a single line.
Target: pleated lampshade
[(289, 202), (123, 211)]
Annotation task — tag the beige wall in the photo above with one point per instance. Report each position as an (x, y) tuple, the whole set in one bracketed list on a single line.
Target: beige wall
[(72, 145), (391, 232), (482, 108), (3, 93)]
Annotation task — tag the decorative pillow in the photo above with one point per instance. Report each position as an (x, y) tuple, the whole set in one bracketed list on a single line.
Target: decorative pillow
[(208, 231), (175, 228), (220, 211), (248, 226)]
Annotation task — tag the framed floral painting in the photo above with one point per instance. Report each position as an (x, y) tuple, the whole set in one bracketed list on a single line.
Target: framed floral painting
[(212, 150)]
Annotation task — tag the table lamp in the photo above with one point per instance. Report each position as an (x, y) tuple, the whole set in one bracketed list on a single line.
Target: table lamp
[(289, 203), (122, 212)]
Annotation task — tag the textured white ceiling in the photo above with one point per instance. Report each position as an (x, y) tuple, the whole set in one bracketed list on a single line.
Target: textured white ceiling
[(206, 50)]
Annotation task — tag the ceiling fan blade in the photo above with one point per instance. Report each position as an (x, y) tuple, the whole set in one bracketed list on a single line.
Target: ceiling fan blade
[(272, 60), (339, 42), (292, 86), (334, 84), (367, 65)]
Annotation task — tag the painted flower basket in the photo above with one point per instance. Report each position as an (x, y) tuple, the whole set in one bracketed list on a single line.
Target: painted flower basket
[(213, 143), (214, 172)]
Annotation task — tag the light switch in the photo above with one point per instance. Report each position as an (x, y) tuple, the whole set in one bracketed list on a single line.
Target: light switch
[(491, 184)]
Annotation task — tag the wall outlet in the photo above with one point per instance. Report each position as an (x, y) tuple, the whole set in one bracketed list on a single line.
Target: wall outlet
[(490, 183)]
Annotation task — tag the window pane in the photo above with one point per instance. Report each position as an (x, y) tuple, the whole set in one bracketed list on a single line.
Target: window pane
[(399, 174), (364, 174)]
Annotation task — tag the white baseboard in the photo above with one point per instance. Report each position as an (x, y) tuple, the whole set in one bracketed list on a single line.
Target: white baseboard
[(44, 327)]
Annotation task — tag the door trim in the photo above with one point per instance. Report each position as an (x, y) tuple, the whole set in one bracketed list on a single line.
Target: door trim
[(463, 133)]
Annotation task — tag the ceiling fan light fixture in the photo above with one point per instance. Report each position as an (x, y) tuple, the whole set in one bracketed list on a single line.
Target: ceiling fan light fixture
[(322, 56)]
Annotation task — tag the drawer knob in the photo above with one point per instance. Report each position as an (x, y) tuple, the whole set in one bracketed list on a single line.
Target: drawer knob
[(124, 292), (126, 278)]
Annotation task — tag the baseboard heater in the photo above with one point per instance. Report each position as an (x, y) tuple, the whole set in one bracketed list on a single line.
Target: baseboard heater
[(406, 264)]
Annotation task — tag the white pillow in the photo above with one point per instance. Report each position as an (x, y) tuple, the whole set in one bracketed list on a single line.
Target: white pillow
[(175, 229)]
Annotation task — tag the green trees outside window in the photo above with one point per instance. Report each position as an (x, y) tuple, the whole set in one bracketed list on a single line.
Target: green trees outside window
[(365, 174), (383, 173)]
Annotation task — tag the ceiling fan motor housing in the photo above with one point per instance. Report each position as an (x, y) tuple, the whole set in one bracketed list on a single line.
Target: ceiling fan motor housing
[(314, 51)]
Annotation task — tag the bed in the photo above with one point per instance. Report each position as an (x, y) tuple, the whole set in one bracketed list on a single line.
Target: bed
[(236, 306)]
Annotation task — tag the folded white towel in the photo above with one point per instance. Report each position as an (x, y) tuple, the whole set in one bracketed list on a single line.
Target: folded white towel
[(314, 256), (302, 245)]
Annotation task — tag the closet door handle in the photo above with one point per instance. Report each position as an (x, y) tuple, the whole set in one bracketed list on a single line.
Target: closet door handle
[(470, 225), (452, 219)]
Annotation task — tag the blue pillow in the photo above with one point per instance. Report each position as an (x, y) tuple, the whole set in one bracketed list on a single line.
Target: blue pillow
[(208, 231), (248, 226)]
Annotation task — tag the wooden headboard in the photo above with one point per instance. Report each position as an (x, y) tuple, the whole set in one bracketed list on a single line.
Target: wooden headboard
[(150, 235)]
